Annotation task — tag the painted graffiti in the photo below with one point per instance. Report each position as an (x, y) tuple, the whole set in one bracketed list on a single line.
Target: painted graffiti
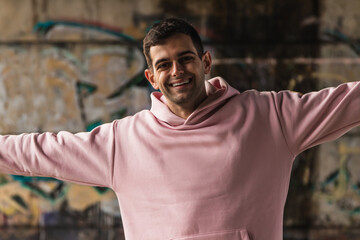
[(107, 72), (66, 87), (75, 84)]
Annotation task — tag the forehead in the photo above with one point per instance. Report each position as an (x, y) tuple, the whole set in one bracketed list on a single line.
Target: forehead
[(172, 46)]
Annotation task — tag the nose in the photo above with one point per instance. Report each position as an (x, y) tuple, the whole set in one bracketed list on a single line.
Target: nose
[(177, 69)]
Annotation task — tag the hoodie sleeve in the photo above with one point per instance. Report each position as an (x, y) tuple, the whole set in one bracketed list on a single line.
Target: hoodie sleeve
[(84, 158), (311, 119)]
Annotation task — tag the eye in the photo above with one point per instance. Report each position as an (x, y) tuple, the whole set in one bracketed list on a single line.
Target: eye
[(163, 65), (186, 59)]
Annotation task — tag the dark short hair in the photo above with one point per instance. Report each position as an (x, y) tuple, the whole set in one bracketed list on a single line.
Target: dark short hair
[(166, 28)]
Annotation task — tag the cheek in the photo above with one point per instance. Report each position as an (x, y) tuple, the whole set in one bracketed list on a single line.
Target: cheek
[(195, 68), (162, 78)]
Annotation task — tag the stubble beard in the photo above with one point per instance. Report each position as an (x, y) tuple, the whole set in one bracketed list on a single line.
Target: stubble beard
[(181, 100), (190, 98)]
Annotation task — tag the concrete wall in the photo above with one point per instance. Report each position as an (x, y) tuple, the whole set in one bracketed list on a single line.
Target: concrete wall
[(336, 177), (65, 65), (72, 65)]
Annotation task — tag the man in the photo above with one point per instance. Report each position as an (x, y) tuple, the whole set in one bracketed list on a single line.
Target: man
[(177, 66), (206, 162)]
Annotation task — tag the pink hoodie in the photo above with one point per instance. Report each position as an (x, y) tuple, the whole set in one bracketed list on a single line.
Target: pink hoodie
[(221, 174)]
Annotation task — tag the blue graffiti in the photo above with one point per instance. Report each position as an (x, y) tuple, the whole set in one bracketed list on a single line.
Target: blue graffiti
[(337, 35), (44, 27)]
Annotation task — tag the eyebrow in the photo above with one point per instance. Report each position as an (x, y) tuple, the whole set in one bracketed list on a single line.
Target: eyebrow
[(179, 55)]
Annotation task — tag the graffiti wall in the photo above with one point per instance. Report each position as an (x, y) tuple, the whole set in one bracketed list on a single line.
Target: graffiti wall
[(336, 199), (73, 65), (63, 82)]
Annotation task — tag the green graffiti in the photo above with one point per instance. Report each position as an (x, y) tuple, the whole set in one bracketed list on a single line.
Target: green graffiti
[(85, 89), (90, 126)]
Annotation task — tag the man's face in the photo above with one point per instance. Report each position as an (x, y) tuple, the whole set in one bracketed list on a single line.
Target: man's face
[(179, 72)]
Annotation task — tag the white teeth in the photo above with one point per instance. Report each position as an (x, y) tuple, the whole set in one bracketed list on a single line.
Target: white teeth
[(179, 84)]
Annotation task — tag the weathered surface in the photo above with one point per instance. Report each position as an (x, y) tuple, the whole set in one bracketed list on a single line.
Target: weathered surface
[(72, 65)]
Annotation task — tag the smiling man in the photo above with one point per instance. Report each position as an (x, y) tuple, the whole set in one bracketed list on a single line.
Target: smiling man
[(178, 69), (205, 162)]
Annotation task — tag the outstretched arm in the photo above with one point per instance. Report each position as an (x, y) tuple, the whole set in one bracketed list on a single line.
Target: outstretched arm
[(310, 119), (85, 158)]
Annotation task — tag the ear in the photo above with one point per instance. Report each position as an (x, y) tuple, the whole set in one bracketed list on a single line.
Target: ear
[(150, 77), (206, 59)]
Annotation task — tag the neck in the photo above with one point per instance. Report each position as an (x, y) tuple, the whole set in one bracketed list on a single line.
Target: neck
[(180, 111), (184, 110)]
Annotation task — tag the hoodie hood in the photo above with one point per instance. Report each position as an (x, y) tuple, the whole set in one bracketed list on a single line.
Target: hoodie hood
[(218, 92)]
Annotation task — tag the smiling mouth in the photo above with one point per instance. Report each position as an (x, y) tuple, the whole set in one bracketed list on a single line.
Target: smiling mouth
[(181, 83)]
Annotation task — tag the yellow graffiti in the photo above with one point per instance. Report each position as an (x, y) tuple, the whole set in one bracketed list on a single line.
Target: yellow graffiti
[(7, 205), (341, 189), (81, 197)]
